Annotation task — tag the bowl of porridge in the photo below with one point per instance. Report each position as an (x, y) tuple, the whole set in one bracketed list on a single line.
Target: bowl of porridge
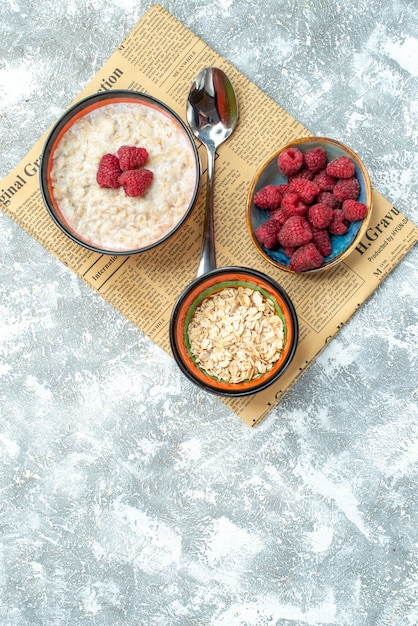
[(233, 331), (120, 172)]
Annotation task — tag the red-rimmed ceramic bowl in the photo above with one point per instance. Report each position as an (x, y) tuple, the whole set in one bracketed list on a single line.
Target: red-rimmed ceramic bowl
[(93, 127), (269, 174), (203, 287)]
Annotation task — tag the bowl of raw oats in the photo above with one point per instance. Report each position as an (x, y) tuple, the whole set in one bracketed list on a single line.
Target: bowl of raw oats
[(233, 331), (120, 172)]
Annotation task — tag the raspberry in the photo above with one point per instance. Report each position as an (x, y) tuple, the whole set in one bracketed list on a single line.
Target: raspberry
[(288, 251), (290, 161), (108, 172), (354, 211), (339, 223), (320, 215), (131, 157), (303, 173), (136, 182), (325, 181), (328, 198), (279, 215), (306, 257), (295, 232), (341, 167), (268, 197), (293, 205), (306, 189), (347, 189), (320, 237), (315, 159), (266, 233), (284, 188)]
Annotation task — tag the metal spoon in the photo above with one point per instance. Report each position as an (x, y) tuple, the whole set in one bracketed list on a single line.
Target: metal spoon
[(212, 114)]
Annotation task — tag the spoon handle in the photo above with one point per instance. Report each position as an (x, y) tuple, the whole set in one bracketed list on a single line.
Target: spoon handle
[(207, 255)]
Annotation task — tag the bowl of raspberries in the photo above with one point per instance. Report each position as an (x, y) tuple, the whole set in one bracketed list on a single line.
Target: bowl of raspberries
[(309, 205)]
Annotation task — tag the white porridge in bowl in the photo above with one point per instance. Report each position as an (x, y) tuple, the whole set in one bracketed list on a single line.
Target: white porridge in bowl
[(110, 218)]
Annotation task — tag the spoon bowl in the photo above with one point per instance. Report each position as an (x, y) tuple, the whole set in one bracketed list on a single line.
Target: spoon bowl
[(212, 114)]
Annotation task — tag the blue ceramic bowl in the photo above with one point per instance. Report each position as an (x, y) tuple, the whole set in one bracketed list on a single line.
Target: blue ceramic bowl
[(269, 174)]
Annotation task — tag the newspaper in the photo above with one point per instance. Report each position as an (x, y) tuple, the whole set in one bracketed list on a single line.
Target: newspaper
[(160, 56)]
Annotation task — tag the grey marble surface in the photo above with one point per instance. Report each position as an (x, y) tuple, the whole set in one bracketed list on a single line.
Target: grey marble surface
[(128, 496)]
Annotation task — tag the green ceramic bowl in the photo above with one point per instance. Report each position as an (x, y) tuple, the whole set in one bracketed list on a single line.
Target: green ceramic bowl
[(205, 286)]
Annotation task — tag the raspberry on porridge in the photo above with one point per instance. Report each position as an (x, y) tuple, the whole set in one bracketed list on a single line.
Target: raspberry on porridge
[(107, 217)]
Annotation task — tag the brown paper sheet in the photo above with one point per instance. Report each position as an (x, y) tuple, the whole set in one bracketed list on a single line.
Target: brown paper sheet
[(161, 56)]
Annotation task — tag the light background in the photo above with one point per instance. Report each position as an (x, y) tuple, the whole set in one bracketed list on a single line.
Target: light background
[(128, 496)]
